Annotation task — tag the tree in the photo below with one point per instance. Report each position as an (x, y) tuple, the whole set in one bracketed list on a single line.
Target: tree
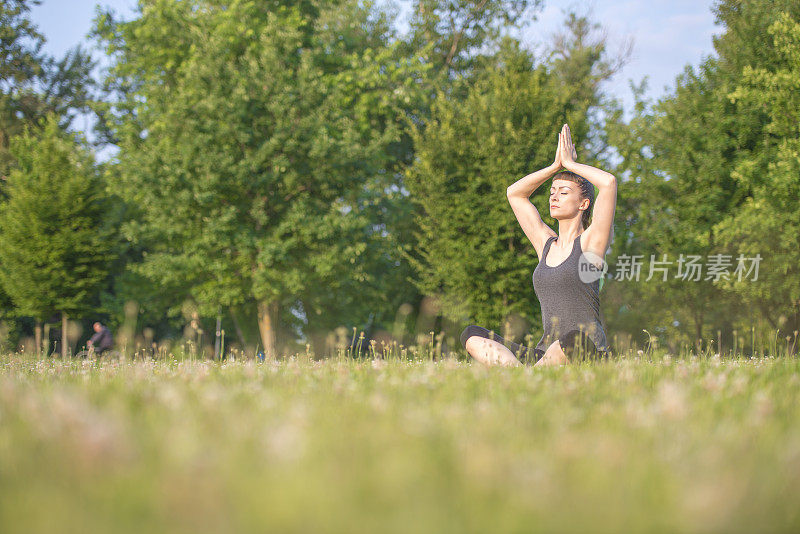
[(248, 138), (768, 222), (53, 241), (454, 32), (32, 83), (692, 164), (678, 185)]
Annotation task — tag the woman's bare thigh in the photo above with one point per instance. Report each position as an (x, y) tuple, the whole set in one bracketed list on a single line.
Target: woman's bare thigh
[(490, 352)]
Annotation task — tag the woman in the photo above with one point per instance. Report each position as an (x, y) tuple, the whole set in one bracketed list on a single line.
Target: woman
[(567, 278)]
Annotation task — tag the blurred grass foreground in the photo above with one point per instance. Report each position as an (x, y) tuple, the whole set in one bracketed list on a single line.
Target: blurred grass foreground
[(688, 444)]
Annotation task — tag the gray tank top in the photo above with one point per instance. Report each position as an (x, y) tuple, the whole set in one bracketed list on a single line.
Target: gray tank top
[(568, 304)]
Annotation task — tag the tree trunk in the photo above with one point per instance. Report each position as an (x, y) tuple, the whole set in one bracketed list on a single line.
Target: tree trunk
[(267, 320), (316, 336), (63, 335), (319, 345), (46, 339), (238, 328), (217, 333), (767, 313), (37, 337)]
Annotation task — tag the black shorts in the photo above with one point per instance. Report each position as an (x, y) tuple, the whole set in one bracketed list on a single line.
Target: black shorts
[(575, 344)]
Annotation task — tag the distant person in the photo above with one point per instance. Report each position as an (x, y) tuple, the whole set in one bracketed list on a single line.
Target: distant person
[(567, 278), (101, 340)]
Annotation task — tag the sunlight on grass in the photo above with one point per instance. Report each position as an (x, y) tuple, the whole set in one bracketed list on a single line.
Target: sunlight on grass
[(658, 444)]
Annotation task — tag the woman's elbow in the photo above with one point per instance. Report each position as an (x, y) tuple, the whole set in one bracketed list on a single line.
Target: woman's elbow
[(611, 181), (512, 192)]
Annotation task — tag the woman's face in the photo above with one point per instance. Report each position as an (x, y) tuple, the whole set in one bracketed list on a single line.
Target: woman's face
[(564, 199)]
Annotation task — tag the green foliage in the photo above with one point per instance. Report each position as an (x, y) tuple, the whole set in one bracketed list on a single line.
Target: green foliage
[(768, 223), (32, 83), (454, 33), (248, 144), (305, 155), (746, 40), (54, 246), (709, 170), (677, 156)]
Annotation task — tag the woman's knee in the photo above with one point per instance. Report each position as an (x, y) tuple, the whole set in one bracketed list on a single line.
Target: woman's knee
[(473, 330), (490, 352), (553, 355)]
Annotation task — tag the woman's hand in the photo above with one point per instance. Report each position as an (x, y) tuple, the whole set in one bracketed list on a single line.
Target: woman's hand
[(557, 162), (566, 146)]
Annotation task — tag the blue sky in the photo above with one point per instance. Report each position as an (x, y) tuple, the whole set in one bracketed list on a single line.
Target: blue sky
[(668, 34)]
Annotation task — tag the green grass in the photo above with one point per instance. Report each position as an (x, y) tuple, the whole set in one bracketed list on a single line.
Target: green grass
[(670, 445)]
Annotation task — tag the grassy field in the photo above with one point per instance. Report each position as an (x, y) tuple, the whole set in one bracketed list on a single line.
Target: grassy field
[(695, 444)]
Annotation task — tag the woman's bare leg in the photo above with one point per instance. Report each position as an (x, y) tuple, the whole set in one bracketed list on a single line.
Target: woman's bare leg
[(554, 355), (490, 352)]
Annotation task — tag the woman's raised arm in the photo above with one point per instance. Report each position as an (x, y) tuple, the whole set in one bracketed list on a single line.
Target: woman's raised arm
[(528, 216), (598, 234)]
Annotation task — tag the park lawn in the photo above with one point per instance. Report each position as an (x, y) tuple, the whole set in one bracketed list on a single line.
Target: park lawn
[(659, 444)]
